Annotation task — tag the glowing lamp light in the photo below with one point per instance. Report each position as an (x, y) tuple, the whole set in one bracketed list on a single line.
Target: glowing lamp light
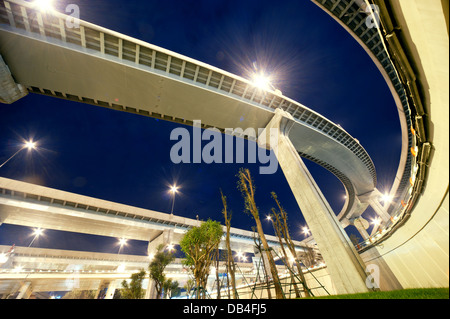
[(241, 256), (121, 268), (3, 258), (305, 230), (44, 5), (261, 81), (376, 222), (386, 198), (122, 241), (18, 269), (170, 247), (174, 189), (38, 232), (30, 145)]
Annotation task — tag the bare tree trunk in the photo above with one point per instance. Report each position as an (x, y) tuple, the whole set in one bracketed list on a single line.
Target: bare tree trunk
[(230, 260), (266, 276), (217, 272), (247, 188), (197, 283), (291, 245), (277, 228)]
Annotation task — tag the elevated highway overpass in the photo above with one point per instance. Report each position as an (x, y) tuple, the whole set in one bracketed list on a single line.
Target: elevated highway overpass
[(94, 65)]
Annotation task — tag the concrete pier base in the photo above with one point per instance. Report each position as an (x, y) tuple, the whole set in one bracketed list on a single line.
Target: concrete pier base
[(345, 267)]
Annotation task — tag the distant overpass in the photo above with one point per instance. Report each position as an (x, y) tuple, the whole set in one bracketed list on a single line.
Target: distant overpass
[(37, 206), (53, 270)]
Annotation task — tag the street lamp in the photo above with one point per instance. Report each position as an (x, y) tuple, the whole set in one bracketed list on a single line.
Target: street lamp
[(30, 145), (122, 242), (305, 231), (376, 222), (241, 256), (261, 81), (37, 232), (386, 198), (170, 248), (44, 5), (173, 190)]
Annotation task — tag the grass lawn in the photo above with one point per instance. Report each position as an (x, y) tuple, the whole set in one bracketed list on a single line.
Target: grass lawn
[(423, 293)]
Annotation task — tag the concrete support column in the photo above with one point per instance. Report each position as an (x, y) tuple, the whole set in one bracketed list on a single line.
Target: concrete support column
[(364, 234), (25, 290), (373, 199), (10, 91), (150, 293), (379, 209), (111, 289), (101, 286), (165, 238), (345, 267), (361, 225)]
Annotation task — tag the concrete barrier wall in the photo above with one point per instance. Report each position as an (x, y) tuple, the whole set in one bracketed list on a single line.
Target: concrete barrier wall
[(421, 260), (417, 254)]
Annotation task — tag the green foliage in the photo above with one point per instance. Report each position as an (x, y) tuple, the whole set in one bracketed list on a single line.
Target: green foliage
[(80, 294), (199, 242), (156, 268), (171, 288), (199, 245), (134, 289), (188, 286), (246, 187), (415, 293)]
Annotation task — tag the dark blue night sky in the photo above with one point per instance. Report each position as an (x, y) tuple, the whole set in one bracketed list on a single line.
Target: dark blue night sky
[(125, 158)]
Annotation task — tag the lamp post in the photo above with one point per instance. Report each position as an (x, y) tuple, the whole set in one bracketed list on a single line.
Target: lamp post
[(28, 145), (173, 190)]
